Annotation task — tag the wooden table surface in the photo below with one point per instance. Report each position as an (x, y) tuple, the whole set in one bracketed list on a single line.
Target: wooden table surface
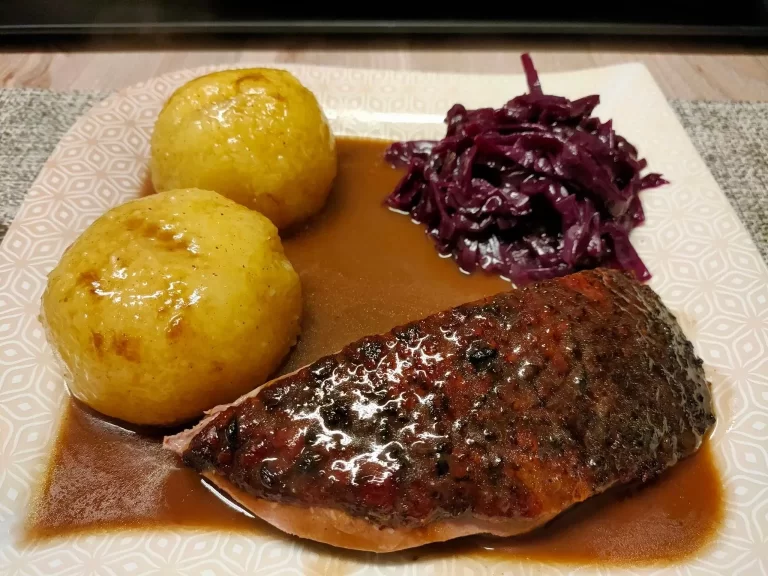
[(682, 69)]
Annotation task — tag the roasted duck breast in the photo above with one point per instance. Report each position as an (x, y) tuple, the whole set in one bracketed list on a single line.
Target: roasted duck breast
[(491, 417)]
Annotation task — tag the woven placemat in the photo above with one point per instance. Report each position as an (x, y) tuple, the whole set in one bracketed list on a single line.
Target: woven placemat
[(31, 124), (730, 136)]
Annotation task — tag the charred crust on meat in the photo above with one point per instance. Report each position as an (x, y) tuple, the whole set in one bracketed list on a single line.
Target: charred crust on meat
[(494, 461), (442, 467), (527, 371), (491, 309), (384, 430), (481, 354), (371, 350), (581, 381), (335, 415), (231, 433), (408, 334), (271, 398), (309, 461), (268, 478), (323, 368)]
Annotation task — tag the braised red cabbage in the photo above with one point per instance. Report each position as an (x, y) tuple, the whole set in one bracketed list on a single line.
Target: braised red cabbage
[(535, 189)]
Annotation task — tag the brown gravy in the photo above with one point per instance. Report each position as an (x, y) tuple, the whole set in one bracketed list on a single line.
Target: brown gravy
[(364, 269)]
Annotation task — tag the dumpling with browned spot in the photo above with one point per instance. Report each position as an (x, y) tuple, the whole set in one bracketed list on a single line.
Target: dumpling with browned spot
[(170, 304), (255, 135)]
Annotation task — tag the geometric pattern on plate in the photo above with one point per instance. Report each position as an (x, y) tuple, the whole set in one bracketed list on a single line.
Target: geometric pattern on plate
[(704, 265)]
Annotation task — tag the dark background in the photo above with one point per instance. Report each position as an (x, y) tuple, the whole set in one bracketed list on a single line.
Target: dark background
[(730, 18)]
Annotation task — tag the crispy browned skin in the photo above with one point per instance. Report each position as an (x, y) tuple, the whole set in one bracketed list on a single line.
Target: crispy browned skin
[(514, 407)]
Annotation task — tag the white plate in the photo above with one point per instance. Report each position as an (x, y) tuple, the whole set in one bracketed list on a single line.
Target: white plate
[(703, 262)]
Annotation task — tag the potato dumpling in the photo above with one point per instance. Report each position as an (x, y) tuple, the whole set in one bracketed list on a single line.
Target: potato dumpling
[(171, 304), (257, 136)]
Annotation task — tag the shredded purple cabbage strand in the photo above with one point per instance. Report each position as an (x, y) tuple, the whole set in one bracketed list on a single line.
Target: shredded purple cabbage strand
[(536, 189)]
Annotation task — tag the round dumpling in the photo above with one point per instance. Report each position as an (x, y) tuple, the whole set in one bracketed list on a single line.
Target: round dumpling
[(256, 136), (171, 304)]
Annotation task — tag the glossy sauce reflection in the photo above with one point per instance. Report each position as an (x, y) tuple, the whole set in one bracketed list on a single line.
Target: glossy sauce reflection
[(364, 270)]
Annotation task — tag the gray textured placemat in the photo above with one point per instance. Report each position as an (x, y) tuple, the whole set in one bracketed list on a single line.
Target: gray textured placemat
[(729, 136), (31, 124), (732, 138)]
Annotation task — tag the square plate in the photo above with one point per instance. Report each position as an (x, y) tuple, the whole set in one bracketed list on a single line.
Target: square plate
[(704, 266)]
